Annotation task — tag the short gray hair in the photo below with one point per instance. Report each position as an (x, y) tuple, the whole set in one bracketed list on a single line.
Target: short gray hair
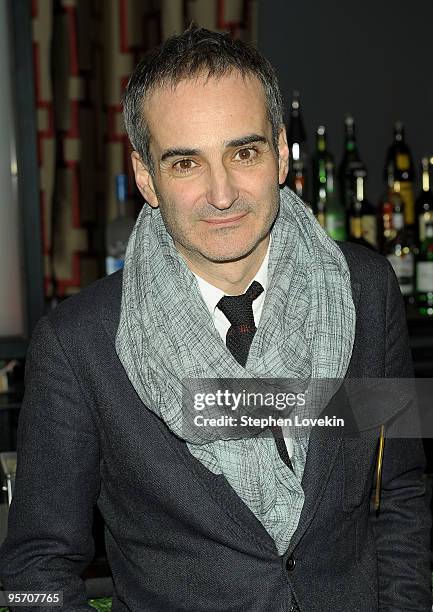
[(194, 52)]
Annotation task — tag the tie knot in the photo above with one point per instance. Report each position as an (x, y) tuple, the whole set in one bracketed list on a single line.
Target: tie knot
[(239, 308)]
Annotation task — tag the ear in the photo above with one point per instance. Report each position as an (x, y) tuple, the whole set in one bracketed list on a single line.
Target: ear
[(144, 180), (283, 156)]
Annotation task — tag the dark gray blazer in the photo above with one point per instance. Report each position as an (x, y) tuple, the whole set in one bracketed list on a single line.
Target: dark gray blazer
[(177, 536)]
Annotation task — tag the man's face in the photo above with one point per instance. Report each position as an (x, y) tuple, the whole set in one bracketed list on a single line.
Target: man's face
[(216, 170)]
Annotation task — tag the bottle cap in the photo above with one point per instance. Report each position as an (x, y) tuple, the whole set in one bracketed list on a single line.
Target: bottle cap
[(398, 130), (349, 126), (295, 100)]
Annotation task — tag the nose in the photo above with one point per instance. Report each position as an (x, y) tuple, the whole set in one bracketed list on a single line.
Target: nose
[(222, 191)]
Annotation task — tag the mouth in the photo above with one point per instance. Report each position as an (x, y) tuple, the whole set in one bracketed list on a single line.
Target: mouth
[(226, 221)]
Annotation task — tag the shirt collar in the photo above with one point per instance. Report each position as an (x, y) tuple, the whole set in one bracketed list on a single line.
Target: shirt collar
[(212, 294)]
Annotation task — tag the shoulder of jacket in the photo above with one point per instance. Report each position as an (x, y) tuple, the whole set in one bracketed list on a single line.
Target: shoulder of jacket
[(365, 265), (99, 300)]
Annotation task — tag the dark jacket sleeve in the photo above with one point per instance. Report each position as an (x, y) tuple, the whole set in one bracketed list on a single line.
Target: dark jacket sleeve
[(49, 541), (404, 523)]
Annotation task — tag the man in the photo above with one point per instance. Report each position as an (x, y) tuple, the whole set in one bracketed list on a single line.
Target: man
[(195, 523)]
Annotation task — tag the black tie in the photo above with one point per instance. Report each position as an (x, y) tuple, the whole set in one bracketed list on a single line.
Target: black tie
[(239, 311)]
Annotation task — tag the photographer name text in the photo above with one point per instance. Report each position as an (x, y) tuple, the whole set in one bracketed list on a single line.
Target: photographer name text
[(248, 421)]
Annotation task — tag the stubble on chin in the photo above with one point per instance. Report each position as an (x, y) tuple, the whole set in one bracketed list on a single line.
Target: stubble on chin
[(193, 243)]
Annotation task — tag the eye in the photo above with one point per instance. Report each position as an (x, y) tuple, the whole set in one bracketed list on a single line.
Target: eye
[(184, 166), (248, 154)]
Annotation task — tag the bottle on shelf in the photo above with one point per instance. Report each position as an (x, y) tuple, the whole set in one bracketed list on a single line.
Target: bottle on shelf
[(297, 178), (355, 219), (386, 226), (350, 163), (424, 272), (320, 207), (399, 252), (392, 200), (335, 218), (363, 213), (385, 210), (355, 234), (399, 159), (320, 162), (326, 203), (424, 202), (119, 229)]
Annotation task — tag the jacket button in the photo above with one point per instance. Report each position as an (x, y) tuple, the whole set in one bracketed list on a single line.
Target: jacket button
[(290, 563)]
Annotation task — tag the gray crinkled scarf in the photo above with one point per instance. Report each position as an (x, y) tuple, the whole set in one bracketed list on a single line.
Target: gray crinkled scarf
[(307, 329)]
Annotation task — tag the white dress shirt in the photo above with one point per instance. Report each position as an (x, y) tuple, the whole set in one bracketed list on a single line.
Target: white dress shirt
[(212, 295)]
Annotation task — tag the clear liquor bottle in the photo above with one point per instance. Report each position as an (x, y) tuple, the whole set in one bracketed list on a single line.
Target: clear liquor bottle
[(119, 229)]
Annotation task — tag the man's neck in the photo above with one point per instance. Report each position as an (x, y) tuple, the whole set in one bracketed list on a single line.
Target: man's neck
[(232, 277)]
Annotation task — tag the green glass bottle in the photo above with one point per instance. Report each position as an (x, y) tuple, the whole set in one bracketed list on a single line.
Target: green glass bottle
[(350, 163), (320, 160), (335, 215), (424, 273)]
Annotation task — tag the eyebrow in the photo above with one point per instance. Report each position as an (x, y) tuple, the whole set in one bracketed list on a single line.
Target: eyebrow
[(244, 140), (237, 142)]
